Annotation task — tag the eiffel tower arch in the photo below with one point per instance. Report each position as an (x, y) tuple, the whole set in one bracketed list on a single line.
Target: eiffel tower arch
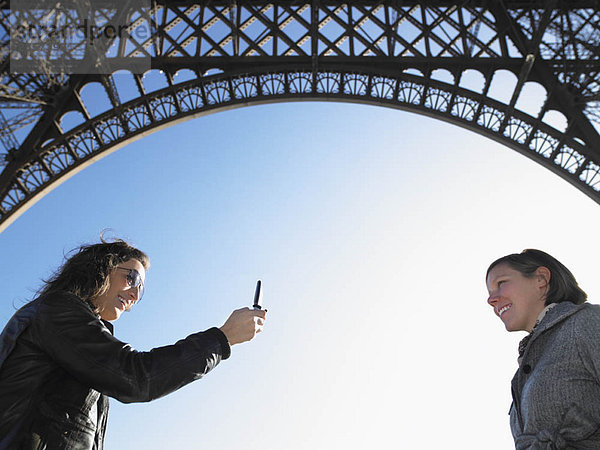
[(160, 62)]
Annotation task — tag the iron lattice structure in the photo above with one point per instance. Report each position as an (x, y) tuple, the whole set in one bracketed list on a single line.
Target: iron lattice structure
[(390, 53)]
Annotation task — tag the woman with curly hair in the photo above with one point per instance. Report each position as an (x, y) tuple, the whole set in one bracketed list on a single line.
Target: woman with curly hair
[(59, 360)]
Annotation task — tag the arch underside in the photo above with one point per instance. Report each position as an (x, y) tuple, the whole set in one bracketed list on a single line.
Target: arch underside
[(70, 152), (437, 58)]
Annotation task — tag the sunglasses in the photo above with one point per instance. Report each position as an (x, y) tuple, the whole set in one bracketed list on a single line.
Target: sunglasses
[(134, 280)]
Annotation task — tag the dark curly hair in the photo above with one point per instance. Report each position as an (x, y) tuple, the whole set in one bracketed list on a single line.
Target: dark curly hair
[(563, 285), (86, 270)]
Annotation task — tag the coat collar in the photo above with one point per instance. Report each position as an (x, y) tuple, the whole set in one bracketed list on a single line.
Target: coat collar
[(553, 317), (21, 320)]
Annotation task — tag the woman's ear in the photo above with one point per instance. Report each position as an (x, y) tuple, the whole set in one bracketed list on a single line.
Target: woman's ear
[(543, 275)]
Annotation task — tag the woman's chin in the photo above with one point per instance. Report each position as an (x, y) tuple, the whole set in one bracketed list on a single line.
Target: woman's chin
[(111, 316)]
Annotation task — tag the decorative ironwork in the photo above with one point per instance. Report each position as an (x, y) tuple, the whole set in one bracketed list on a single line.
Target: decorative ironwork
[(411, 55)]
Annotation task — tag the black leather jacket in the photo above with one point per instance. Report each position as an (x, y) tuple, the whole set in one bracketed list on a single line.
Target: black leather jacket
[(59, 361)]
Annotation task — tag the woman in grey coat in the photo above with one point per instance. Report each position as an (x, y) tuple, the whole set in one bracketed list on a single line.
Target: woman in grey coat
[(556, 389)]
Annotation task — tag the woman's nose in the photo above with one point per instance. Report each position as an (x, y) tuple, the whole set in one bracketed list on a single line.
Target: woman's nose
[(492, 299), (134, 293)]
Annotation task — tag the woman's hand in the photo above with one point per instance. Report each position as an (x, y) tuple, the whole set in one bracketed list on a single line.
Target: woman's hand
[(243, 324)]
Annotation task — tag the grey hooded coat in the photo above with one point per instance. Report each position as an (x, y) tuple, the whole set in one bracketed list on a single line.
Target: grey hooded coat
[(556, 389)]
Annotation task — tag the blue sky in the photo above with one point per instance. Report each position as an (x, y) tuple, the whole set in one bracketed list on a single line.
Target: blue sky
[(371, 229)]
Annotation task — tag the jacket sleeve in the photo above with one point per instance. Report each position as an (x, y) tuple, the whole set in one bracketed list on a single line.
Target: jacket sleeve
[(83, 346), (585, 334)]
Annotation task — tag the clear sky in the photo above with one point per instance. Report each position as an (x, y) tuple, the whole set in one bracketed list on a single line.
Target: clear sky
[(371, 229)]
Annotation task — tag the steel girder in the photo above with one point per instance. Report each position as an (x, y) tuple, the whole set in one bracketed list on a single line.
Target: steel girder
[(389, 53)]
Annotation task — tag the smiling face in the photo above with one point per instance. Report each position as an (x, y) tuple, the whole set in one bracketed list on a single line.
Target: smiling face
[(518, 300), (120, 296)]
